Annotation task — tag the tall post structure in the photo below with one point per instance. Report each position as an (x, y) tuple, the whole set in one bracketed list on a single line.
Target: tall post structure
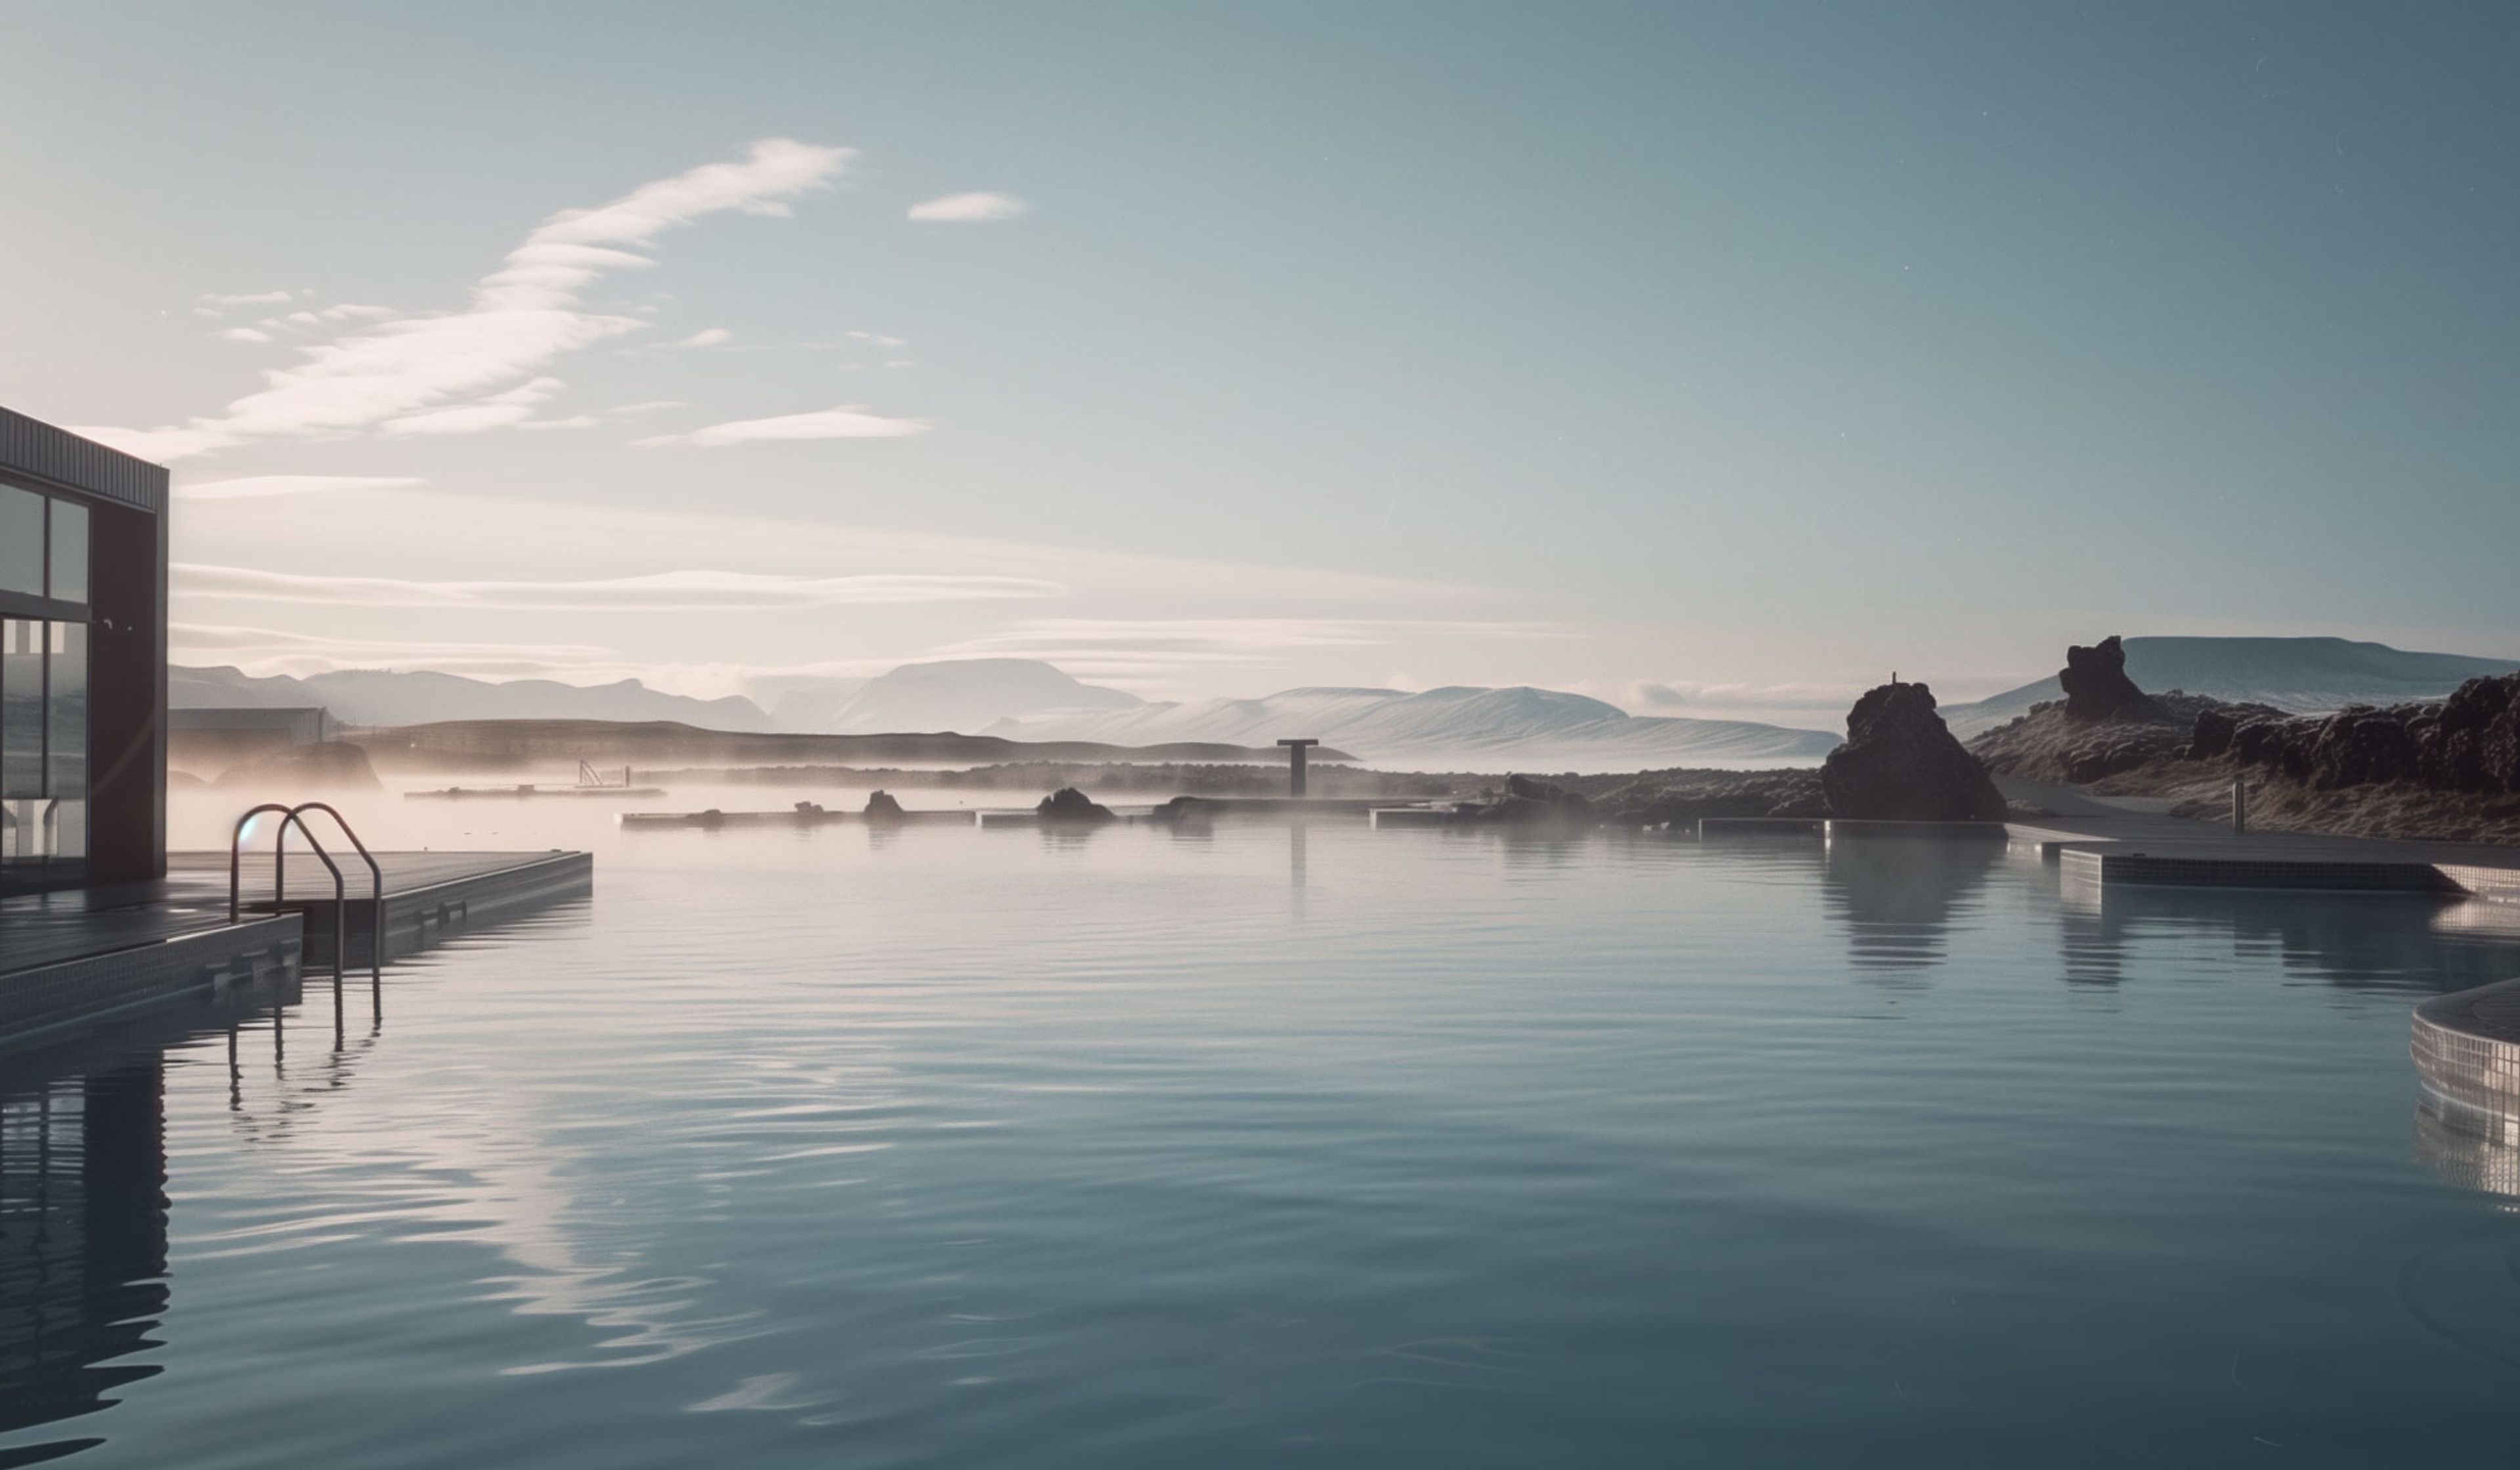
[(1295, 764)]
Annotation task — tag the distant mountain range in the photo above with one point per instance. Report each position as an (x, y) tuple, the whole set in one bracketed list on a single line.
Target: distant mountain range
[(1456, 729), (1475, 728), (377, 697), (1022, 699), (966, 695), (2303, 674)]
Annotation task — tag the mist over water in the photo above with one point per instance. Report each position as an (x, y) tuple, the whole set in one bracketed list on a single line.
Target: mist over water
[(1263, 1146)]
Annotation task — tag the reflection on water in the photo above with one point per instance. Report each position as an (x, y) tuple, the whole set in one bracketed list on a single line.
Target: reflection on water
[(1242, 1146), (82, 1247), (2470, 1148), (1899, 898), (2399, 942)]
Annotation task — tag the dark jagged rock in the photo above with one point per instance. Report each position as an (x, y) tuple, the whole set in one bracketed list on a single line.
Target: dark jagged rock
[(2279, 743), (1069, 806), (1687, 796), (2096, 685), (2359, 746), (2218, 724), (881, 807), (1529, 802), (2470, 742), (2474, 740), (1901, 763), (1186, 811), (1546, 793)]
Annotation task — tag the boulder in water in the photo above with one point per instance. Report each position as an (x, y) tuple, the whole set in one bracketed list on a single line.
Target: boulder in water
[(1901, 763), (881, 807), (1069, 806), (1531, 802)]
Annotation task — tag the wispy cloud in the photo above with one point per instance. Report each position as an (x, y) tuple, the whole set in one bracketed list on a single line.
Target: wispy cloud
[(653, 405), (522, 319), (969, 209), (273, 650), (331, 316), (707, 336), (242, 334), (657, 592), (246, 298), (850, 421), (257, 487), (513, 409)]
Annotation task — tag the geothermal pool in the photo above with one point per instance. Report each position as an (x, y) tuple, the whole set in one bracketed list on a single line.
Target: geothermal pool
[(1271, 1147)]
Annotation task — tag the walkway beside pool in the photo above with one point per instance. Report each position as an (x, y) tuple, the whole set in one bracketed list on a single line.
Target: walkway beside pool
[(2132, 840), (75, 957)]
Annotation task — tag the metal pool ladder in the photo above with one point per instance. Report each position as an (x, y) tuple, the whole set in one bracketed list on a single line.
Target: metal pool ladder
[(296, 816)]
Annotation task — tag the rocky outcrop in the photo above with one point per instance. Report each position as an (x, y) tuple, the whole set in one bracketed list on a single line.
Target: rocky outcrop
[(1687, 796), (2469, 742), (1529, 802), (1901, 763), (2474, 743), (2049, 744), (2217, 726), (2096, 685), (881, 807), (1069, 806)]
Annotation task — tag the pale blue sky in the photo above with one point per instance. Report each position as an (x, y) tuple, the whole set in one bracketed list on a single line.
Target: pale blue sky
[(1764, 347)]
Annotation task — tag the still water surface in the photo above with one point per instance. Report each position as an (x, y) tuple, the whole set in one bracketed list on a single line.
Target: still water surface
[(1333, 1147)]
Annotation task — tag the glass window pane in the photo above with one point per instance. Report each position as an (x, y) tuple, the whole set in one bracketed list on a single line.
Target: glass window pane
[(66, 757), (21, 541), (69, 551), (70, 830), (22, 708), (21, 828)]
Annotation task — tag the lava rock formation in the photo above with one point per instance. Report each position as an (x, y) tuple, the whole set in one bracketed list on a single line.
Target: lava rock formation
[(1901, 763), (2096, 685)]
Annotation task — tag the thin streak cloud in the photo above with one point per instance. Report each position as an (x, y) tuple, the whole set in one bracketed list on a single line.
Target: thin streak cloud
[(259, 486), (659, 591), (969, 209), (194, 641), (421, 372), (850, 421)]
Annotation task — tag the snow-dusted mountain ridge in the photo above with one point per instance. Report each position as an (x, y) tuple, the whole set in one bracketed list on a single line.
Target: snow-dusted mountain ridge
[(1457, 726)]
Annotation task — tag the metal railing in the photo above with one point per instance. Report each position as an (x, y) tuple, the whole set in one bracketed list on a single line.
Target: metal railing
[(296, 816)]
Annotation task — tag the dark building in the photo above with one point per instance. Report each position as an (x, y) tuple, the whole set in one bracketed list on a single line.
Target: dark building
[(82, 661)]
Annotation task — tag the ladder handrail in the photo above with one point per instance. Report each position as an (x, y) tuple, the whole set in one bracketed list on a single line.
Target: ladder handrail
[(278, 874), (376, 882)]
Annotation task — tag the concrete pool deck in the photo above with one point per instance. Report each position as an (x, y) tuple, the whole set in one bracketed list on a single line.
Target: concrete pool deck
[(2097, 841), (2110, 841), (76, 957)]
